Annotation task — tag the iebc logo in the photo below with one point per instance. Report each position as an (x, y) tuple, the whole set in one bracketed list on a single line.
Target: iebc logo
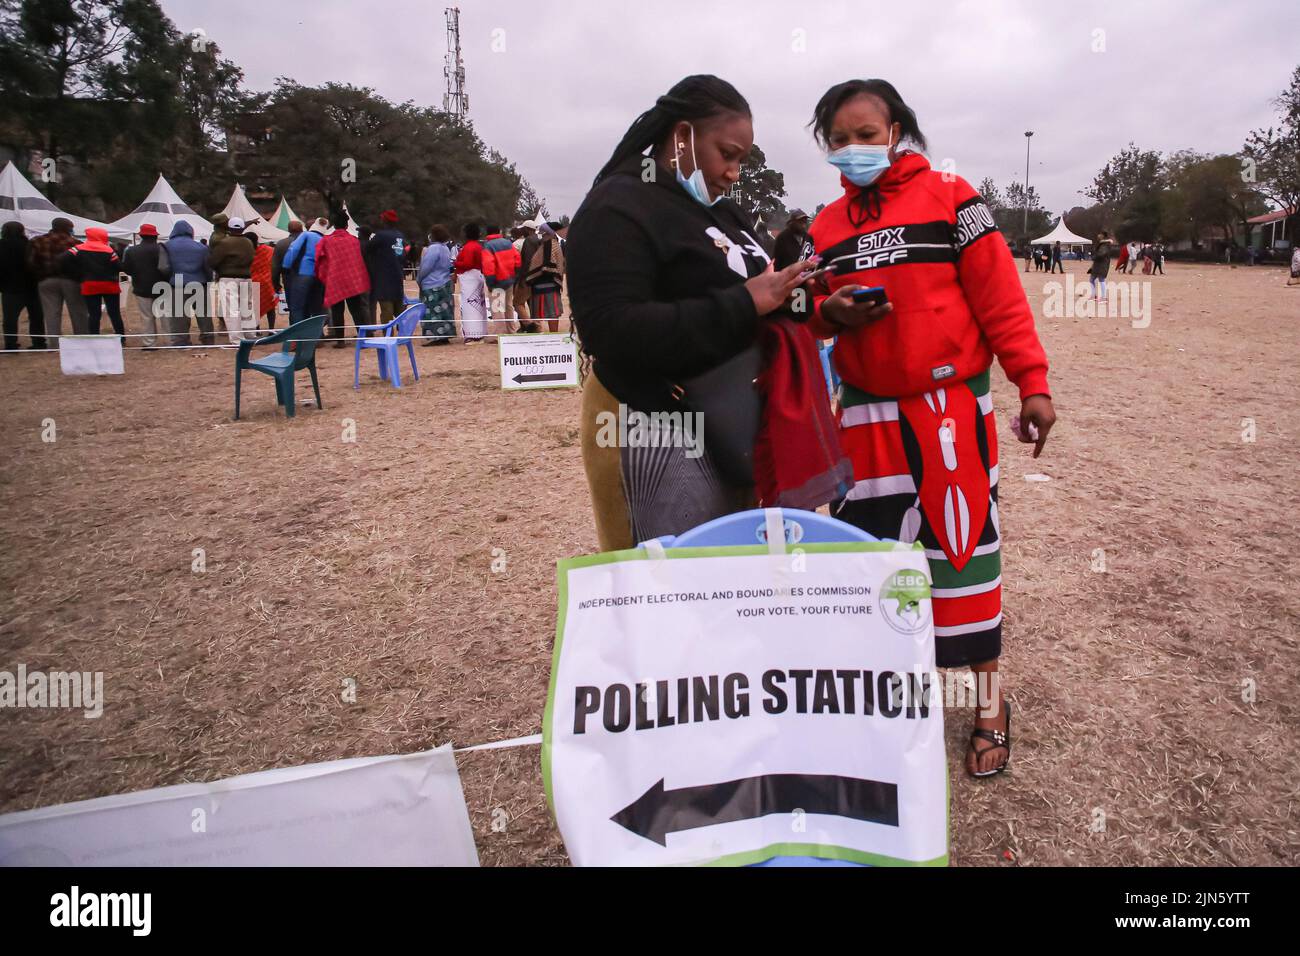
[(905, 601)]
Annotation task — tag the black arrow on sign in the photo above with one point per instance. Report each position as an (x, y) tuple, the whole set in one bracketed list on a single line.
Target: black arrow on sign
[(658, 812), (556, 377)]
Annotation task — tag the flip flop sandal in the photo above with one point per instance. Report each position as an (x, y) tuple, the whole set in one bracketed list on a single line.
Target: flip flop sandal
[(998, 739)]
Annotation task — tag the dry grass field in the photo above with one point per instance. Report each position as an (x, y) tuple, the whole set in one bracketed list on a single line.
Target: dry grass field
[(371, 560)]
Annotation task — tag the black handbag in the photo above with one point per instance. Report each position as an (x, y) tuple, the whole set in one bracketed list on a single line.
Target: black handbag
[(728, 399)]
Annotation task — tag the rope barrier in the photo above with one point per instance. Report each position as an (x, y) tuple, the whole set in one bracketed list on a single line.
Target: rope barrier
[(254, 336)]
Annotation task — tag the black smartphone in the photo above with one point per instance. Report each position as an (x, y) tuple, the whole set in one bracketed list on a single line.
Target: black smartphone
[(873, 296)]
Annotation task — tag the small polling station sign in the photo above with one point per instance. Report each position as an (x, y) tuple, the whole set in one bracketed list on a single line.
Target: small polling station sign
[(538, 360), (728, 705), (90, 355)]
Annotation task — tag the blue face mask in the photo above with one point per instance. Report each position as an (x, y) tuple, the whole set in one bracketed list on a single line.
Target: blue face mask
[(695, 185), (861, 165)]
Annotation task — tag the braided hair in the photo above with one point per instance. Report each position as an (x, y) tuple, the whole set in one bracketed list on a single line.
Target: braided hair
[(693, 98)]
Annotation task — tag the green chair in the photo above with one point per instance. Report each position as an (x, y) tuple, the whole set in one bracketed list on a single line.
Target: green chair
[(283, 364)]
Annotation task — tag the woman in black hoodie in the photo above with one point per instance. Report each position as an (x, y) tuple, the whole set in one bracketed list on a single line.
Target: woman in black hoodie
[(666, 282), (18, 288)]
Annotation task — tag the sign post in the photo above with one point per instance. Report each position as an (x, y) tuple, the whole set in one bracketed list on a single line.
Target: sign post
[(538, 360), (727, 705)]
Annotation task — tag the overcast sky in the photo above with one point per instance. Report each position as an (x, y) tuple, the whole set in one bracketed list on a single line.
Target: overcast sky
[(553, 85)]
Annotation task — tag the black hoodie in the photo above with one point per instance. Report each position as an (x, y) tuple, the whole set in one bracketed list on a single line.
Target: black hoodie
[(656, 283)]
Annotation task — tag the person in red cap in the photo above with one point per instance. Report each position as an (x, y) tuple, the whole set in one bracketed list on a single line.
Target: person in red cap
[(141, 264), (96, 265), (385, 252)]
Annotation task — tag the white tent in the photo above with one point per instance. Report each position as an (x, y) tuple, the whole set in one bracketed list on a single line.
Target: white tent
[(1062, 235), (284, 215), (162, 209), (241, 207), (20, 201)]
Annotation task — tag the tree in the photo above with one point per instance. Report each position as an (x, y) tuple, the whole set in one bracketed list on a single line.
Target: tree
[(1129, 187), (1087, 222), (348, 144), (1010, 213), (77, 74), (760, 189), (1206, 191), (1274, 155), (531, 205), (208, 99), (990, 193)]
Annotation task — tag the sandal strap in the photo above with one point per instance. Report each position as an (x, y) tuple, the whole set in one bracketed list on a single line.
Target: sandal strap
[(995, 737), (999, 738)]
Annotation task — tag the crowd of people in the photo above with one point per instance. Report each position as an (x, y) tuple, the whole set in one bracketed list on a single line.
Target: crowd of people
[(1150, 254), (234, 282)]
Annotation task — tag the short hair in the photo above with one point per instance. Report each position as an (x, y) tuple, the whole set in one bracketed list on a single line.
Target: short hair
[(473, 231), (339, 220), (438, 233)]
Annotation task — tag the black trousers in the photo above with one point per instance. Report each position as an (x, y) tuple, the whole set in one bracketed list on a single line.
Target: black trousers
[(114, 306), (13, 305), (358, 308)]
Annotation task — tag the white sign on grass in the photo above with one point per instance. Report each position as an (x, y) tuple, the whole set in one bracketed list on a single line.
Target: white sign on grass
[(728, 705), (90, 355), (538, 360), (405, 810)]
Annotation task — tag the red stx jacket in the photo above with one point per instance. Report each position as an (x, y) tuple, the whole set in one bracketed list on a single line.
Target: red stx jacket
[(949, 274)]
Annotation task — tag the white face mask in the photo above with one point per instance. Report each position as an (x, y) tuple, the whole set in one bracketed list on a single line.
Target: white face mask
[(862, 165), (695, 185)]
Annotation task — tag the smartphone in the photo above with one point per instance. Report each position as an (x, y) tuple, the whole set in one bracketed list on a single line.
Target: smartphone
[(815, 274), (873, 296)]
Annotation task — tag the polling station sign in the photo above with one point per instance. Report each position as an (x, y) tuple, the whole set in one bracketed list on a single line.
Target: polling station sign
[(538, 360), (727, 705)]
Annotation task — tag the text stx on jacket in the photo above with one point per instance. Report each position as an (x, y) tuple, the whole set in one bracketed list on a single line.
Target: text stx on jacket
[(948, 272)]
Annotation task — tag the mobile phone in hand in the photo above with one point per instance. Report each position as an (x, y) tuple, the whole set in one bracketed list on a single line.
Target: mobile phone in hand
[(874, 296)]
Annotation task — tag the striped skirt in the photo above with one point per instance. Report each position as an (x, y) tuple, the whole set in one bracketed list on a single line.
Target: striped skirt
[(545, 304), (669, 491), (926, 468)]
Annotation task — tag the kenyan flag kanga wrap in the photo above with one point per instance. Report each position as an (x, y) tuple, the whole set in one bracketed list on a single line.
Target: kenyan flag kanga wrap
[(925, 469)]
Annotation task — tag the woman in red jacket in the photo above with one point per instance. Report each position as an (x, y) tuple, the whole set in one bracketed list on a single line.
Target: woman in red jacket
[(469, 276), (916, 415), (97, 267)]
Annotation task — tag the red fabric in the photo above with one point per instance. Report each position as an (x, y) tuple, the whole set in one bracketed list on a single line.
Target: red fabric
[(469, 258), (340, 265), (950, 318), (500, 264), (96, 241), (97, 264), (954, 488), (797, 458), (260, 272)]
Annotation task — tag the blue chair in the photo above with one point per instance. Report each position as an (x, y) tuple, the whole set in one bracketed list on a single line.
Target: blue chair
[(302, 337), (750, 527), (394, 335)]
